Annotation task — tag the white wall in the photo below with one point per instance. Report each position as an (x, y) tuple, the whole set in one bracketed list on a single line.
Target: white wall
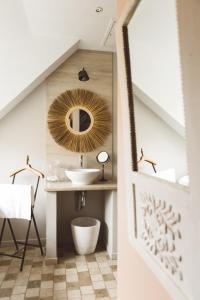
[(159, 142), (22, 132), (155, 58), (24, 57), (12, 19)]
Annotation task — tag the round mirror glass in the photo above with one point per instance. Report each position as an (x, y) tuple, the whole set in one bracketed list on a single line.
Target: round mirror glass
[(79, 120), (102, 157)]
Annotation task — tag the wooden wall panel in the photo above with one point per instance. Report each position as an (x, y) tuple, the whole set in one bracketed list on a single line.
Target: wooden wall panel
[(99, 66)]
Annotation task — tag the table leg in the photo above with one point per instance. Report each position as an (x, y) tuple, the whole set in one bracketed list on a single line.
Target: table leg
[(110, 217), (51, 226)]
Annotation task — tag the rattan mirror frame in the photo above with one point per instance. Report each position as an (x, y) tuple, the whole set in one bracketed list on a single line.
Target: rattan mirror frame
[(62, 133)]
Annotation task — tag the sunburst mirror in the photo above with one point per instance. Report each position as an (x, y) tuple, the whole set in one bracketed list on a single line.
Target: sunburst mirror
[(79, 120)]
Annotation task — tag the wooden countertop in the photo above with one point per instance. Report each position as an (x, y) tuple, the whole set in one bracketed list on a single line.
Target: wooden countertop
[(63, 186)]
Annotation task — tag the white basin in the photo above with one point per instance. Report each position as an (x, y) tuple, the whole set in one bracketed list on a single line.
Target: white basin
[(82, 176)]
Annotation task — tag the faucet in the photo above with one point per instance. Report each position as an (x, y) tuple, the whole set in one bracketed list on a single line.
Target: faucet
[(81, 161)]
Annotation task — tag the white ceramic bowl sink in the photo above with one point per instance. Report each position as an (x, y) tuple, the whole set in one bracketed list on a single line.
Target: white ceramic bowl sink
[(82, 176)]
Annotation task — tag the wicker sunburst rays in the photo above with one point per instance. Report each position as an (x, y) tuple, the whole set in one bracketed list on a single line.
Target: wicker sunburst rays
[(62, 133)]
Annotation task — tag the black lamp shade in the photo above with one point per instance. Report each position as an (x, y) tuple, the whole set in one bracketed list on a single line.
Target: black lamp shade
[(83, 75)]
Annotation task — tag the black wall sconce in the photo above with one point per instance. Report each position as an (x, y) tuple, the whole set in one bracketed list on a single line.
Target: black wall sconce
[(83, 75)]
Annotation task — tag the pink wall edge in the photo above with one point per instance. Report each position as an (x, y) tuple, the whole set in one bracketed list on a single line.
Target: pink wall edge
[(135, 279)]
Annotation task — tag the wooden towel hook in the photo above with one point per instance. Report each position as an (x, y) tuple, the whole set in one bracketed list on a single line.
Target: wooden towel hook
[(146, 159), (27, 159), (28, 167)]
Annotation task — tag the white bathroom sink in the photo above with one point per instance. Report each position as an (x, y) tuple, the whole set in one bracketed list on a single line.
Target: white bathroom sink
[(82, 176)]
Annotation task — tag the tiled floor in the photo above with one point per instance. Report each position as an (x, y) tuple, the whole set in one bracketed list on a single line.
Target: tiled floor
[(73, 277)]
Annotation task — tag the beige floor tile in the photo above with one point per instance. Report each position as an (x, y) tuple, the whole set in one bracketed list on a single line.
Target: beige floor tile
[(59, 278), (4, 264), (101, 293), (10, 276), (80, 258), (2, 275), (99, 285), (112, 262), (97, 277), (19, 289), (13, 269), (112, 293), (82, 268), (90, 258), (5, 261), (115, 275), (88, 297), (73, 294), (114, 268), (5, 292), (1, 280), (111, 284), (73, 285), (84, 278), (60, 265), (71, 271), (72, 278), (105, 270), (58, 295), (48, 269), (8, 284), (17, 297), (34, 292), (103, 264), (50, 262), (60, 271), (92, 265), (59, 286), (107, 277), (94, 271), (47, 284), (101, 259), (21, 282), (47, 277), (70, 265), (23, 275), (80, 263), (46, 293), (3, 269), (34, 276), (33, 284), (85, 290)]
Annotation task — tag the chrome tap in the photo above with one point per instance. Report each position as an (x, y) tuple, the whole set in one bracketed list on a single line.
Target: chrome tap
[(81, 161)]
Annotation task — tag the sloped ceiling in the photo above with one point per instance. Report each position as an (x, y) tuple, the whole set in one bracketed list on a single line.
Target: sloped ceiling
[(37, 36), (72, 18)]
